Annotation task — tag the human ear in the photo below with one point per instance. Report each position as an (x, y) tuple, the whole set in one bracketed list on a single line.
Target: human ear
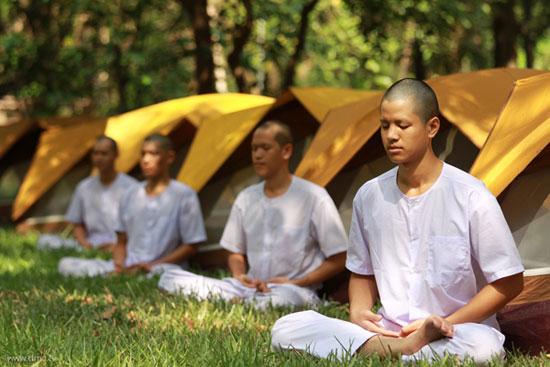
[(287, 151), (432, 126), (171, 156)]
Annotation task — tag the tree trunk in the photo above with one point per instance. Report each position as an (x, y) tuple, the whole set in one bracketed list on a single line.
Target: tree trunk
[(204, 61), (304, 24), (526, 32), (241, 35), (505, 32)]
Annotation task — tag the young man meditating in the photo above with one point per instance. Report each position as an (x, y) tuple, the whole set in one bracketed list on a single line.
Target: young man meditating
[(160, 221), (429, 241), (94, 207), (284, 234)]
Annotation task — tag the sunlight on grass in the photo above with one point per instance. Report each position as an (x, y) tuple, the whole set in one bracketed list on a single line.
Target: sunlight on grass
[(48, 320)]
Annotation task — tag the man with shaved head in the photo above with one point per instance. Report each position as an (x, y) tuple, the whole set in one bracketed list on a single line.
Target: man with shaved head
[(159, 224), (94, 207), (284, 235), (426, 239)]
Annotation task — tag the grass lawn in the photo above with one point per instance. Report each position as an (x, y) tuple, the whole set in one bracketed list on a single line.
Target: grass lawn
[(48, 320)]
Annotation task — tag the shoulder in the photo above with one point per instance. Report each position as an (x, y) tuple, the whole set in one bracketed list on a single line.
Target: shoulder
[(87, 183), (125, 179), (463, 181), (181, 188), (376, 185)]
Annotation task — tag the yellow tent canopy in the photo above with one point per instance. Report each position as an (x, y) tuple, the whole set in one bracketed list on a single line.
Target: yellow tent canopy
[(467, 100), (59, 148), (129, 129), (319, 100), (220, 136), (214, 142), (9, 134), (519, 135)]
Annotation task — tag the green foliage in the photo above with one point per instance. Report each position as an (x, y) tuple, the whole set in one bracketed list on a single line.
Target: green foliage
[(63, 57), (126, 321)]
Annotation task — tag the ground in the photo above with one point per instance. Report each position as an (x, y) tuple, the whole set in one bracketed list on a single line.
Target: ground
[(48, 320)]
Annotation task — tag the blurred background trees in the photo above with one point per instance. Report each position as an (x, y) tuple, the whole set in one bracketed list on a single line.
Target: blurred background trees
[(63, 57)]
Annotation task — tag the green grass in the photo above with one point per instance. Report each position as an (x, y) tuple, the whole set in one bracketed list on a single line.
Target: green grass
[(49, 320)]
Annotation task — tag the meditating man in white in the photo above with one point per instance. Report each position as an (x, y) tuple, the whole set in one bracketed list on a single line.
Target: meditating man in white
[(94, 207), (285, 231), (160, 221), (429, 241)]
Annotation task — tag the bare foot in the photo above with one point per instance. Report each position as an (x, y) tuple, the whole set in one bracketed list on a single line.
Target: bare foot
[(434, 328)]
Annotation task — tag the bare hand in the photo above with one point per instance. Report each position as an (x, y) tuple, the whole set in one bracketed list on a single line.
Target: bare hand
[(260, 285), (411, 328), (145, 267), (370, 321)]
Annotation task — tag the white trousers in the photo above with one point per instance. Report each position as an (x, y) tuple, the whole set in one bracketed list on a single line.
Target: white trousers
[(189, 284), (53, 242), (326, 337), (79, 267)]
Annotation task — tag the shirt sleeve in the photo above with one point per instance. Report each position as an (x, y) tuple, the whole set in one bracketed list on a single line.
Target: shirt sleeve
[(191, 222), (358, 259), (328, 228), (233, 238), (75, 212), (492, 242)]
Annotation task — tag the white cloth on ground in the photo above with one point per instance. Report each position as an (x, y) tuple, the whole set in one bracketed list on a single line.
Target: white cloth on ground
[(189, 284), (97, 207), (155, 226), (325, 337), (51, 241), (79, 267)]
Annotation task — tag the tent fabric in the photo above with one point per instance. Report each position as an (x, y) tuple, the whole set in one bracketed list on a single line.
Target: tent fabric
[(319, 100), (536, 288), (59, 149), (10, 134), (519, 135), (471, 101), (129, 129), (343, 132), (214, 142)]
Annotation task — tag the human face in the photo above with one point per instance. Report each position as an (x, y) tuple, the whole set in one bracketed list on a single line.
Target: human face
[(154, 161), (268, 156), (405, 136), (103, 156)]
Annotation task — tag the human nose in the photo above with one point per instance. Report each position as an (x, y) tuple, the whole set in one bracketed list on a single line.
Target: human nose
[(391, 133)]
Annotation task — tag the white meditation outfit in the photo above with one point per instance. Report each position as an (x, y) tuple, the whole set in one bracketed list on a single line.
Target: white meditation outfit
[(95, 206), (287, 236), (155, 227), (426, 251)]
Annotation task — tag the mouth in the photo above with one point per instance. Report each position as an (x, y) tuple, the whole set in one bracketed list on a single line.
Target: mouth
[(394, 149)]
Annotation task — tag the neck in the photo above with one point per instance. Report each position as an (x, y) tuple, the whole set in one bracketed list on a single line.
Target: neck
[(108, 176), (157, 185), (416, 178), (277, 184)]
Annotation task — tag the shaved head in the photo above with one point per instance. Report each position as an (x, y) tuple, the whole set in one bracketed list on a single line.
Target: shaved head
[(423, 96), (283, 136), (162, 141), (111, 141)]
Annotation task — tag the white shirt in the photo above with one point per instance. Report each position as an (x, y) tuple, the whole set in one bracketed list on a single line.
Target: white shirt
[(290, 235), (157, 225), (423, 250), (96, 207)]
